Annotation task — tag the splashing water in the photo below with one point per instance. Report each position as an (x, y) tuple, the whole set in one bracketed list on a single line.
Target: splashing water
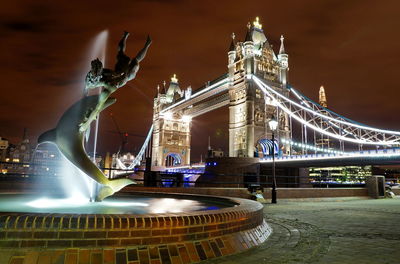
[(78, 187), (99, 48)]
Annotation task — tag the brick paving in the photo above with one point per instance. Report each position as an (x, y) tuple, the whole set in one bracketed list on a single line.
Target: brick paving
[(328, 231), (336, 230)]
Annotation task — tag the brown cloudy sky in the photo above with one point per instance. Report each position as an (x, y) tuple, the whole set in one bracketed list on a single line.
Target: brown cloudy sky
[(351, 47)]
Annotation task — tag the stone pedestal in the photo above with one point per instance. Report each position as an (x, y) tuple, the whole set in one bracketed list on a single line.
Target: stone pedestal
[(230, 172), (376, 186)]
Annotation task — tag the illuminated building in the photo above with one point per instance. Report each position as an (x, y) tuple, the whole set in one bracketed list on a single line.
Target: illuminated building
[(171, 134), (3, 148), (249, 110), (47, 161), (19, 158), (340, 175), (118, 164), (322, 140)]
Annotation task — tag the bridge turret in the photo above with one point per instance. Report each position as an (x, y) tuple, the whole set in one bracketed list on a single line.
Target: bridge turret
[(248, 42), (257, 35), (232, 57), (248, 51), (232, 51), (174, 92), (283, 59), (171, 132)]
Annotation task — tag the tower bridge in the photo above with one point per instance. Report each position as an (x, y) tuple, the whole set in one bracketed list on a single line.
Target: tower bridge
[(256, 89), (249, 109)]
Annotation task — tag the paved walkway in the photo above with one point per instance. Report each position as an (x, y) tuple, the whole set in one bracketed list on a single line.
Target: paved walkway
[(328, 231)]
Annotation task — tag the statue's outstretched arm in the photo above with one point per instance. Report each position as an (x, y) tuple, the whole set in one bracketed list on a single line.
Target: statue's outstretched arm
[(142, 53)]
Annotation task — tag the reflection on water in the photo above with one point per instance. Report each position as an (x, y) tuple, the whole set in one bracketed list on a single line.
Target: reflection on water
[(111, 205), (170, 205)]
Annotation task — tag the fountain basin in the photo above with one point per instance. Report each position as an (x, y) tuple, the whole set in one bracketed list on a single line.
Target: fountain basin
[(230, 226)]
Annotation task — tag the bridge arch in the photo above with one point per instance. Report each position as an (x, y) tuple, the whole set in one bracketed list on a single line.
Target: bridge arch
[(264, 147), (173, 159)]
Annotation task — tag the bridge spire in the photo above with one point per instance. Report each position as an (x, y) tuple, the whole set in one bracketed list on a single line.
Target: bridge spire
[(282, 48), (257, 24), (283, 59), (232, 46), (174, 79), (248, 34)]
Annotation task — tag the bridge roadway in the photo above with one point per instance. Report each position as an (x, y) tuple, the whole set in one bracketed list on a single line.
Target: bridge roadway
[(203, 100), (356, 158)]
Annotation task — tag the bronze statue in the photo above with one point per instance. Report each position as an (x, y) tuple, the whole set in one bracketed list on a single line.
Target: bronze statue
[(125, 70), (70, 130)]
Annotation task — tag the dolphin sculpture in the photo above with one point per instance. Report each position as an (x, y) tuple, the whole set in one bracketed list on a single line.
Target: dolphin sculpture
[(70, 141), (69, 134)]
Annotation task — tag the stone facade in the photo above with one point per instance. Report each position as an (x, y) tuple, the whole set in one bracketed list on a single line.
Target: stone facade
[(249, 110), (171, 134)]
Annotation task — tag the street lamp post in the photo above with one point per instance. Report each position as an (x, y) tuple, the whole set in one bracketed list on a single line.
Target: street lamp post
[(273, 124)]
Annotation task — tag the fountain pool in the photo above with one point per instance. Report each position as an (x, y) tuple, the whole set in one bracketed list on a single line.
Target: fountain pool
[(122, 204), (138, 228)]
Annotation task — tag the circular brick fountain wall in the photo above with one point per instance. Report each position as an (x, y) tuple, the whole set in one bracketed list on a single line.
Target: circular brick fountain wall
[(152, 238)]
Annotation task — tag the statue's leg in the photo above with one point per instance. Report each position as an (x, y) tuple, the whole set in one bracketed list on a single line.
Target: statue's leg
[(122, 42), (122, 59)]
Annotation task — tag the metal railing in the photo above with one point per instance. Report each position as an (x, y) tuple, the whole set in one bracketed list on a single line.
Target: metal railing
[(187, 179)]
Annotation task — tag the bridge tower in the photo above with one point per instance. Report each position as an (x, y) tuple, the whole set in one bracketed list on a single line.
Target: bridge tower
[(249, 110), (171, 134)]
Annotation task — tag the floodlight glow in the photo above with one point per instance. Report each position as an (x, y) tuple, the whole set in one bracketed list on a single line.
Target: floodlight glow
[(167, 115), (186, 118), (56, 203), (170, 205)]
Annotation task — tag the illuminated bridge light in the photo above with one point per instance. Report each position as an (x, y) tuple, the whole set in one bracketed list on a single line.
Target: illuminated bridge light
[(387, 153), (361, 134), (291, 142)]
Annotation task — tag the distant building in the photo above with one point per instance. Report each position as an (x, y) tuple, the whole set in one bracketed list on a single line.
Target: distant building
[(19, 159), (117, 164), (323, 141), (22, 160), (212, 153), (3, 148), (4, 145), (47, 161), (340, 175)]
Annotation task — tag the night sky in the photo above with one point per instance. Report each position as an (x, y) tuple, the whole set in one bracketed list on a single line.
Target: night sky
[(350, 47)]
